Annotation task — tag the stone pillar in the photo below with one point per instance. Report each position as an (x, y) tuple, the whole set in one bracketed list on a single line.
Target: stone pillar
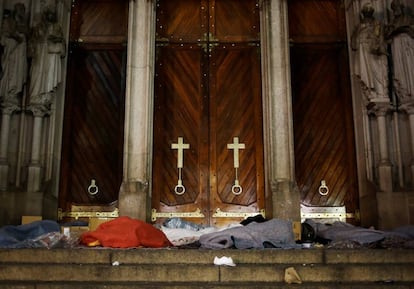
[(4, 145), (34, 178), (278, 128), (134, 192), (380, 110), (390, 204), (409, 109)]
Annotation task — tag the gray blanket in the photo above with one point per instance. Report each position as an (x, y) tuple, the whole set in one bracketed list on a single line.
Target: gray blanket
[(344, 232), (274, 233)]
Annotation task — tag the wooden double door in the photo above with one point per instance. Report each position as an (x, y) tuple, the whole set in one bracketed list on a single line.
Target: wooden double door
[(208, 131)]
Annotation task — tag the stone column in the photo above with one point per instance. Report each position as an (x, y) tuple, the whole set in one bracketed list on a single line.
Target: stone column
[(392, 205), (34, 178), (7, 111), (409, 109), (278, 128), (134, 192), (380, 110)]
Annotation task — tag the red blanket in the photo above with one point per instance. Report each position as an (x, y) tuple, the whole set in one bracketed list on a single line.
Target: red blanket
[(125, 232)]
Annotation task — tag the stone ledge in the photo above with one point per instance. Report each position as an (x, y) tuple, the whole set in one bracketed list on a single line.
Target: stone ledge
[(248, 285), (142, 256), (186, 273)]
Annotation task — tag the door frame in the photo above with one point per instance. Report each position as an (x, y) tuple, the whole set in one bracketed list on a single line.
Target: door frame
[(282, 196)]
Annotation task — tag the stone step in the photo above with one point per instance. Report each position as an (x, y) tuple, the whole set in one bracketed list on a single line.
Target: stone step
[(78, 285), (205, 273), (202, 256), (179, 268)]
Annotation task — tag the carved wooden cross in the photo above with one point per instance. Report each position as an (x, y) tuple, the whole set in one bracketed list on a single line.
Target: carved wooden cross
[(180, 146), (235, 146)]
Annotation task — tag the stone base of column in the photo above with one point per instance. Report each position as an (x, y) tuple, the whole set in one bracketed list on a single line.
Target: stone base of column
[(133, 201), (15, 204), (412, 170), (34, 178), (33, 203), (286, 201), (385, 177), (392, 210), (4, 175), (368, 205), (50, 206), (7, 208)]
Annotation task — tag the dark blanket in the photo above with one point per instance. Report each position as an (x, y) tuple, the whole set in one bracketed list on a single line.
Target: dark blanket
[(274, 233), (341, 233), (23, 236)]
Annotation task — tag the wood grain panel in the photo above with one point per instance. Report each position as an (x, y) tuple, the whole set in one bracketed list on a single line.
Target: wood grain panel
[(99, 21), (314, 21), (324, 148), (93, 133), (235, 20), (182, 20), (236, 112), (179, 108)]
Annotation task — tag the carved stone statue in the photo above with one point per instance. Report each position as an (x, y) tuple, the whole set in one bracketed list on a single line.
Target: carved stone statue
[(47, 48), (371, 58), (401, 35), (14, 57)]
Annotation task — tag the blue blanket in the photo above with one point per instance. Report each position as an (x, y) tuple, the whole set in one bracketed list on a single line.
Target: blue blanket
[(22, 236)]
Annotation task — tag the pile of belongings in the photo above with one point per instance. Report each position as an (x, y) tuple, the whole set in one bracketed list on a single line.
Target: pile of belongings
[(258, 232), (254, 232), (122, 232)]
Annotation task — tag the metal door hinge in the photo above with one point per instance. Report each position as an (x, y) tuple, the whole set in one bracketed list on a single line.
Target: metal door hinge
[(196, 214), (221, 214), (86, 214)]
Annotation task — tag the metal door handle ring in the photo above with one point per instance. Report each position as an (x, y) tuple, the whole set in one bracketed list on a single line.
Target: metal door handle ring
[(323, 189), (93, 188), (236, 189), (179, 189)]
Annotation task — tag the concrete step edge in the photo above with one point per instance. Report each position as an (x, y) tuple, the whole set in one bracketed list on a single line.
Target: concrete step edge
[(205, 273), (181, 256), (211, 285)]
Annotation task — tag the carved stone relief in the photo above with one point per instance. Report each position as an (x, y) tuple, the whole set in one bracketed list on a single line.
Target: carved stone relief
[(33, 50)]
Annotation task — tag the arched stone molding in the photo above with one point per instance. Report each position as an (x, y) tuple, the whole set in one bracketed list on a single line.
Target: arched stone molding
[(135, 192)]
